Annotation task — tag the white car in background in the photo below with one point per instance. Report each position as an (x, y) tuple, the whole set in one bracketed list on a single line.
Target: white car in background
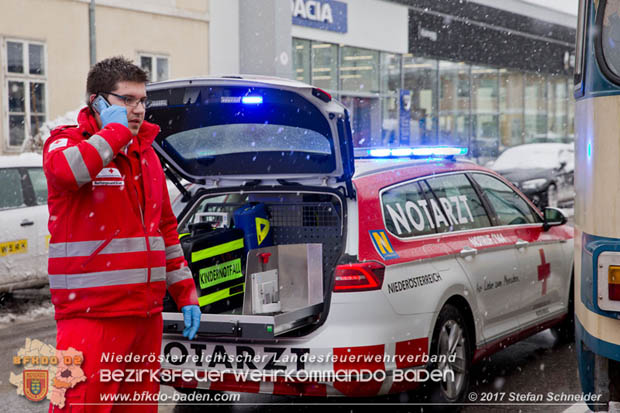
[(544, 172), (24, 238)]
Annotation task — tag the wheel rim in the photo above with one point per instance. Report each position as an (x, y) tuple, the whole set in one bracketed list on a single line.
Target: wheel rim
[(452, 347), (552, 196)]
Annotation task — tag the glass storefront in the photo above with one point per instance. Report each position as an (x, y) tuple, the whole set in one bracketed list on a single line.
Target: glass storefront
[(420, 79), (407, 100), (324, 65), (511, 124), (484, 112), (454, 103)]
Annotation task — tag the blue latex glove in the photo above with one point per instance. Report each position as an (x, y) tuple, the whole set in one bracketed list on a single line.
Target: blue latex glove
[(191, 317), (114, 114)]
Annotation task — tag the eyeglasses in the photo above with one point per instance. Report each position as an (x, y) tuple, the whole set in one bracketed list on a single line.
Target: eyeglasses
[(130, 101)]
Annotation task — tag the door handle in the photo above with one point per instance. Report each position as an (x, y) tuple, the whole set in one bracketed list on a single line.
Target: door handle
[(468, 252), (521, 244), (26, 223)]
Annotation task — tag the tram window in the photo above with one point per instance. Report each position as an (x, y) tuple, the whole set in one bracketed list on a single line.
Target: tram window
[(611, 36)]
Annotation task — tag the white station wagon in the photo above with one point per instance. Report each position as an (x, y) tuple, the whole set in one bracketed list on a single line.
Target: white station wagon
[(24, 236), (324, 275)]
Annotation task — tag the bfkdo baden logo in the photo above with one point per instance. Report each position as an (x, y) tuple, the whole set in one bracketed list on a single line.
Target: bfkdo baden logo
[(35, 384), (48, 373)]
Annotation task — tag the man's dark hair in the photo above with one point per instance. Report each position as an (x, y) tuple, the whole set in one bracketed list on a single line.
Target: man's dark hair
[(104, 75)]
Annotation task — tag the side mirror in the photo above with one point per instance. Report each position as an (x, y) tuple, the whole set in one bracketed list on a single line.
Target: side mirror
[(553, 218), (562, 165)]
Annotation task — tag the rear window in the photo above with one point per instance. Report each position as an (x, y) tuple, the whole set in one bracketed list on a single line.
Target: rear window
[(210, 131), (247, 137)]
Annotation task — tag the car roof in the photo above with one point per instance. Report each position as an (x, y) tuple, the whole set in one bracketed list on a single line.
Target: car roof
[(415, 167), (23, 159), (241, 79)]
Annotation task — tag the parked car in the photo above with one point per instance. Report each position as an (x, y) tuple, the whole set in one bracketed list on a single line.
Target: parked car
[(543, 171), (24, 238), (424, 264)]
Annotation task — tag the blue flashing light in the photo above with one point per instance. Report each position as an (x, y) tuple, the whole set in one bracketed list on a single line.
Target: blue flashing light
[(421, 151), (252, 100), (589, 150), (379, 153), (402, 152)]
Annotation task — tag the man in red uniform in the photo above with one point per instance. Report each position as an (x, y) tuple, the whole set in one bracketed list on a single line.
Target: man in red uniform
[(114, 247)]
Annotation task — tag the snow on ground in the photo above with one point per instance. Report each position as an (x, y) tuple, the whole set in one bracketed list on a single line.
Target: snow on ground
[(25, 305)]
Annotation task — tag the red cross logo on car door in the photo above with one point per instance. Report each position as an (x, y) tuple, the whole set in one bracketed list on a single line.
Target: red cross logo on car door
[(544, 270)]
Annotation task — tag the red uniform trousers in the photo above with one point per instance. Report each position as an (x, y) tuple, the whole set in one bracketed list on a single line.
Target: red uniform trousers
[(119, 336)]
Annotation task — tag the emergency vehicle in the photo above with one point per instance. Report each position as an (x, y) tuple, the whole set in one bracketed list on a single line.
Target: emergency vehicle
[(421, 254)]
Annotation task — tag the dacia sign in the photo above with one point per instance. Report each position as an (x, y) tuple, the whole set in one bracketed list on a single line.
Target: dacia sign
[(320, 14)]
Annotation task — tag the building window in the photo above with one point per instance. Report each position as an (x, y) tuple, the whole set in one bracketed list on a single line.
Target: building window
[(535, 108), (359, 70), (26, 84), (390, 79), (421, 79), (454, 103), (557, 103), (511, 125), (301, 60), (324, 66), (156, 66), (485, 112)]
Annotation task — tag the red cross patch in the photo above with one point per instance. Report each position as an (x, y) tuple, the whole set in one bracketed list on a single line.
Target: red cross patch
[(544, 271)]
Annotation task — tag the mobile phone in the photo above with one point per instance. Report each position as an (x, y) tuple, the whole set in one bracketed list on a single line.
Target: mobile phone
[(100, 103)]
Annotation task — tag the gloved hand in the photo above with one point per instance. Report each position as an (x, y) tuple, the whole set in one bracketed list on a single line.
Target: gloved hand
[(191, 317), (114, 114)]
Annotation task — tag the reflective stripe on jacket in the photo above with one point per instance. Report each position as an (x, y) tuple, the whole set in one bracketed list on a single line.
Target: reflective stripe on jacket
[(114, 246)]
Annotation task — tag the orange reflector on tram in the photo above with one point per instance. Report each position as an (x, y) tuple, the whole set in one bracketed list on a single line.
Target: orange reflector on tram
[(614, 282)]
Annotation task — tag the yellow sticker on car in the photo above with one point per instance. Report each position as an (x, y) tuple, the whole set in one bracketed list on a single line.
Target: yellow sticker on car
[(13, 247), (220, 273)]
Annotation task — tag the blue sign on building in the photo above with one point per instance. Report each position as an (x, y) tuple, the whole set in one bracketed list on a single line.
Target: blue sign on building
[(320, 14)]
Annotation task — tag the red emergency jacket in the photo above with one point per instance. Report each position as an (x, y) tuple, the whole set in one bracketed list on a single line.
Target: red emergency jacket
[(114, 246)]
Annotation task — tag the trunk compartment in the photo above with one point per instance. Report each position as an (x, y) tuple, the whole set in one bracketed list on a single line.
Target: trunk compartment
[(308, 234)]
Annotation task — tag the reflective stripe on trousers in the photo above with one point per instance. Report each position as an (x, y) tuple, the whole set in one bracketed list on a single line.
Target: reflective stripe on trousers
[(105, 278), (116, 246)]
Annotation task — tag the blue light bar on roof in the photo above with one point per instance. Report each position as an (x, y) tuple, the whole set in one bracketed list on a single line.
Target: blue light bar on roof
[(420, 151), (252, 100)]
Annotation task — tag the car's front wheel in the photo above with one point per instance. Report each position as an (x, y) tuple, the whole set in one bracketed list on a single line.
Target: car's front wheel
[(452, 345)]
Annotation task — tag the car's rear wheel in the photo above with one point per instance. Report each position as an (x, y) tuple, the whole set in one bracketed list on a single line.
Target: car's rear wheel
[(552, 196), (452, 344)]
